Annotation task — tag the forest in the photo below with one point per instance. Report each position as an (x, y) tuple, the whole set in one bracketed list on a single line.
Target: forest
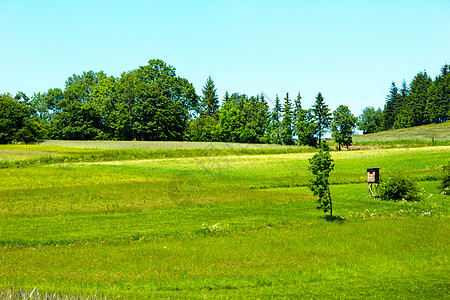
[(152, 103)]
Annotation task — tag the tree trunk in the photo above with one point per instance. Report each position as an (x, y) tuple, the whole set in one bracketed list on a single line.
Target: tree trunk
[(331, 203)]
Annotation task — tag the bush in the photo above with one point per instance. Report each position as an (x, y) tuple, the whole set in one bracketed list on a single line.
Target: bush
[(445, 185), (400, 187)]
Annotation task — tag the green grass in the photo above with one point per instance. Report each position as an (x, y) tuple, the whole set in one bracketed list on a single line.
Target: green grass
[(437, 133), (157, 145), (236, 225)]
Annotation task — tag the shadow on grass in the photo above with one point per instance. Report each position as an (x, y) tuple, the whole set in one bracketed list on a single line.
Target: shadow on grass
[(339, 219)]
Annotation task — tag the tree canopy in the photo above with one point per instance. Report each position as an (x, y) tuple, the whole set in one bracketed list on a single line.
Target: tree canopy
[(153, 103)]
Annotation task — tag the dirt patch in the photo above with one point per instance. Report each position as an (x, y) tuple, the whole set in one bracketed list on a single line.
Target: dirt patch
[(367, 147)]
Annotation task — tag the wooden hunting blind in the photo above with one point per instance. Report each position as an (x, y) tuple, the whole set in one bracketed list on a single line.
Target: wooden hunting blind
[(373, 180), (373, 175)]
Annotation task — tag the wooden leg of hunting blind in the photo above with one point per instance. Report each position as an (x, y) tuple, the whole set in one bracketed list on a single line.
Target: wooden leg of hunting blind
[(372, 188)]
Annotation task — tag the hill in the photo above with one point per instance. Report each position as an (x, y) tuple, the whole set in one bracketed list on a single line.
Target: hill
[(438, 132)]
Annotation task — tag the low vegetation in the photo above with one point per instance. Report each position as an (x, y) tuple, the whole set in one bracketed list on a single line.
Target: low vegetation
[(400, 187)]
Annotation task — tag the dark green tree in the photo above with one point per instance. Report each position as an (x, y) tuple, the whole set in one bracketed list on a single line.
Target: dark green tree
[(438, 102), (16, 119), (306, 129), (78, 116), (391, 108), (45, 106), (321, 165), (343, 126), (243, 119), (286, 123), (210, 101), (418, 95), (371, 120), (321, 116), (152, 103), (273, 135)]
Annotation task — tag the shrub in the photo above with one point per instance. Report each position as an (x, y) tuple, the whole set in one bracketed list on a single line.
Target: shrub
[(445, 185), (400, 187)]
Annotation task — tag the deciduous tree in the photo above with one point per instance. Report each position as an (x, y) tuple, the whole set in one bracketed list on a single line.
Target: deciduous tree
[(343, 126), (321, 165)]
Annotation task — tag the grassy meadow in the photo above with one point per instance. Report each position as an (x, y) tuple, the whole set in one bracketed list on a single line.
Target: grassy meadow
[(211, 221), (433, 134)]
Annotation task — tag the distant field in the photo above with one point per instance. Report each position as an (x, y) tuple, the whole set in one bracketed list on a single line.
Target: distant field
[(221, 226), (157, 145), (440, 132)]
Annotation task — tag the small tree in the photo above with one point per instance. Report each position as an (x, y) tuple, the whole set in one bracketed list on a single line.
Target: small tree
[(321, 164)]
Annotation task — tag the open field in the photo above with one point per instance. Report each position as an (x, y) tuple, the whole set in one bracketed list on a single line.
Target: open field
[(156, 145), (220, 224), (429, 133)]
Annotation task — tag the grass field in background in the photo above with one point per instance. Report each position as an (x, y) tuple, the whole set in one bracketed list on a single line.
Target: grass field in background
[(428, 133), (218, 224)]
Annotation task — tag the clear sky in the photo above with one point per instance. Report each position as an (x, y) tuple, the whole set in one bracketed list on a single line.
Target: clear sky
[(348, 50)]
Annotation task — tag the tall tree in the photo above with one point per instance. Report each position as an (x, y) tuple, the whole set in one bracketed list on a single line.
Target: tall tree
[(418, 99), (210, 101), (286, 124), (297, 112), (78, 116), (15, 119), (321, 116), (304, 127), (243, 119), (343, 126), (438, 102), (391, 108), (273, 135), (45, 106)]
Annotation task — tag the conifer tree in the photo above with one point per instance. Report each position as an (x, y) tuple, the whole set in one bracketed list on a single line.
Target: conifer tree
[(274, 131), (393, 103), (321, 116), (418, 99), (438, 102), (296, 114), (286, 124), (210, 101)]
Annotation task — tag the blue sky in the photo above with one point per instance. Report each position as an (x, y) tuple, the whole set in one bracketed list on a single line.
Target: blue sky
[(348, 50)]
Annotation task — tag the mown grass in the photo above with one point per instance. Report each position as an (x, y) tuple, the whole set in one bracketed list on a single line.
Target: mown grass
[(26, 155), (239, 226), (431, 134)]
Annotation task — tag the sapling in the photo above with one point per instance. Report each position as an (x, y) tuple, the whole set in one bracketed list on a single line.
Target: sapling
[(321, 164)]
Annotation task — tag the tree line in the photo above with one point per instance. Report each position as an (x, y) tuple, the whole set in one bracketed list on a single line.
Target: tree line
[(423, 101), (153, 103)]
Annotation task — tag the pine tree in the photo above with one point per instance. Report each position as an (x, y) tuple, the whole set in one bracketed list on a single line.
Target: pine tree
[(274, 131), (418, 99), (296, 114), (321, 116), (210, 101), (393, 102), (286, 124), (438, 102)]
